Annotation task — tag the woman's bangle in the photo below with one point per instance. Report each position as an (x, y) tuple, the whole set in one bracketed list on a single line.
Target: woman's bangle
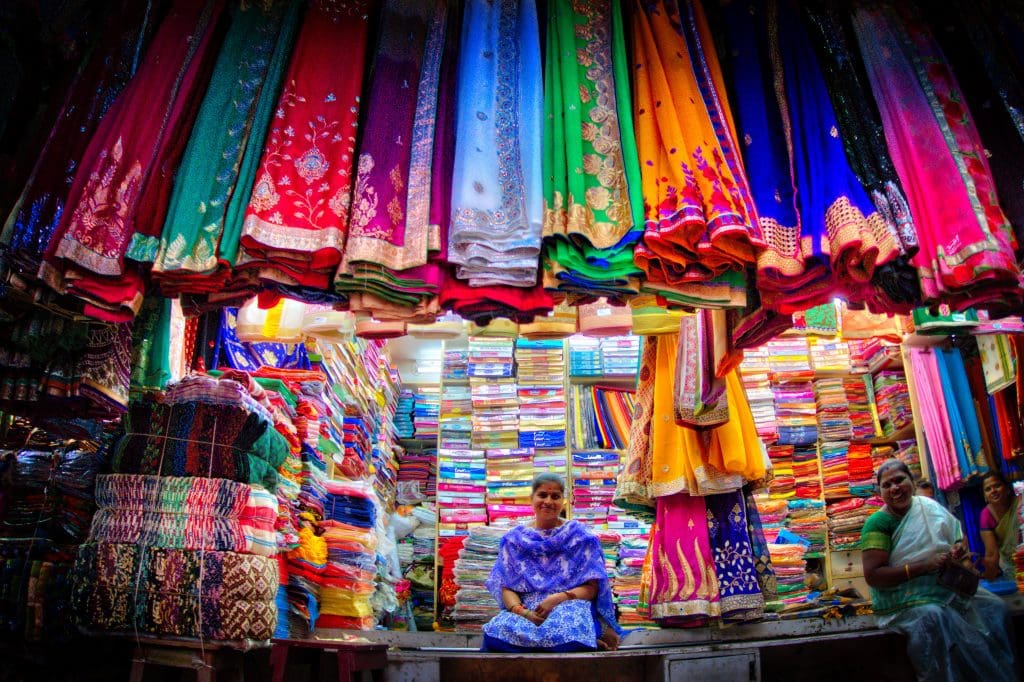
[(568, 595), (906, 567)]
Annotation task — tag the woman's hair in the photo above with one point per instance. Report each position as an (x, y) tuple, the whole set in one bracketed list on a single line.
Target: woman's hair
[(547, 477), (998, 476), (893, 463)]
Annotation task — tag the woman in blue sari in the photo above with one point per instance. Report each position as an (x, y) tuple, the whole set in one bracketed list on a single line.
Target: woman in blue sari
[(551, 582)]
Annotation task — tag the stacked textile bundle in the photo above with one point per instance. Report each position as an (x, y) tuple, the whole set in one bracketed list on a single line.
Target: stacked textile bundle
[(790, 574), (830, 356), (620, 355), (419, 568), (509, 477), (807, 520), (893, 399), (835, 472), (461, 489), (540, 369), (456, 365), (404, 427), (593, 486), (833, 410), (474, 605), (907, 453), (426, 411), (626, 580), (860, 396), (348, 580), (49, 494), (455, 421), (494, 393), (861, 470), (584, 356), (755, 372), (789, 358), (184, 593), (806, 479), (795, 413), (416, 478), (783, 484), (846, 519), (185, 513), (773, 515)]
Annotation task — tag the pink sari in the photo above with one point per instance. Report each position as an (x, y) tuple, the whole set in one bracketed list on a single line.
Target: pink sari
[(932, 403), (684, 586), (966, 255)]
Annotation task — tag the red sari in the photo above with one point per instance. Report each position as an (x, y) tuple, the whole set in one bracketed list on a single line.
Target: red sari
[(113, 213), (298, 215)]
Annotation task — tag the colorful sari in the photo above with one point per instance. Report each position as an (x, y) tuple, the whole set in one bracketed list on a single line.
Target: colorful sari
[(700, 398), (196, 247), (633, 484), (935, 620), (537, 563), (591, 180), (496, 187), (684, 588), (699, 218), (299, 208), (967, 246), (107, 71), (115, 207), (735, 563)]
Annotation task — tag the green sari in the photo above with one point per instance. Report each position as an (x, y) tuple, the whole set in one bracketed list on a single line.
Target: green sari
[(593, 214), (1007, 535)]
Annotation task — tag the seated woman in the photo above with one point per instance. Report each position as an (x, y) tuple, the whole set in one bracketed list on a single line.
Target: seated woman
[(1000, 526), (551, 583), (905, 544)]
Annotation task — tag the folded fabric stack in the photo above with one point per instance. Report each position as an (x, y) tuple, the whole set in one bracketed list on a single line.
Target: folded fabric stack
[(846, 519), (626, 580), (773, 515), (185, 513), (906, 452), (461, 491), (416, 478), (833, 409), (594, 479), (860, 396), (834, 469), (755, 372), (509, 483), (795, 414), (474, 605), (494, 394), (620, 355), (790, 574), (456, 365), (540, 370), (861, 470), (601, 417), (426, 411), (893, 399), (404, 427), (455, 421), (348, 580), (203, 594), (830, 356), (807, 483), (807, 520), (783, 485), (584, 356)]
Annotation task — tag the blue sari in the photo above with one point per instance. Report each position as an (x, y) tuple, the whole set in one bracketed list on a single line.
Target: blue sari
[(536, 564), (963, 419)]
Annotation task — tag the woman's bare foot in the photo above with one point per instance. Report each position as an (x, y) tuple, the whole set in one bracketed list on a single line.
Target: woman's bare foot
[(609, 640)]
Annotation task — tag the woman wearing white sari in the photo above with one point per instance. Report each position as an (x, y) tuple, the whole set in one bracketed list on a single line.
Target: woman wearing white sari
[(905, 544)]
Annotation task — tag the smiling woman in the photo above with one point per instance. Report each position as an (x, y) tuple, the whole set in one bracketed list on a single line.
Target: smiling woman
[(551, 583), (905, 545)]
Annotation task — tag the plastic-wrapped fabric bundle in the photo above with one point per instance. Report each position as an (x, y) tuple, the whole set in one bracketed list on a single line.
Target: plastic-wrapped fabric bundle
[(211, 595), (185, 513), (474, 605)]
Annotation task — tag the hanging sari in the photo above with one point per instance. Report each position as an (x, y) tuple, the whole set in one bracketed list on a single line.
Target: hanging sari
[(935, 418), (104, 75), (966, 255), (684, 587), (196, 250), (962, 417), (700, 399), (759, 549), (735, 568), (496, 185), (936, 621), (633, 484), (699, 217), (299, 207), (114, 208), (591, 179)]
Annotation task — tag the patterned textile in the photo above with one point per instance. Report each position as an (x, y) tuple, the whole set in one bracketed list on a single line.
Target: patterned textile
[(212, 595), (538, 563), (734, 560), (684, 587), (199, 439), (759, 550), (185, 513)]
